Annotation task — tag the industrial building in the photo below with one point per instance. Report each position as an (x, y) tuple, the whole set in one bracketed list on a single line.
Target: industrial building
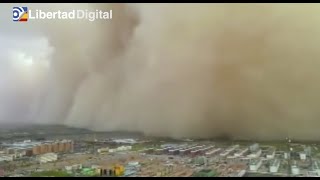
[(255, 164), (274, 166)]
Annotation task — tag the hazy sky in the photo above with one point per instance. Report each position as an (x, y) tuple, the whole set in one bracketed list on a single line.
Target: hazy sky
[(242, 70), (24, 57)]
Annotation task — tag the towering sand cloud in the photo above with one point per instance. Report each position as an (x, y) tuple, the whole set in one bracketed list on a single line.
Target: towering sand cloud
[(187, 70)]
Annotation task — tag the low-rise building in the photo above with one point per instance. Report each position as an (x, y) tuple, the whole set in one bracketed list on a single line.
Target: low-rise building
[(49, 157), (103, 150), (295, 170), (312, 174), (274, 166), (73, 167), (241, 152), (303, 155), (229, 151), (271, 153), (286, 155), (315, 167), (121, 148), (254, 147), (255, 154), (255, 164), (7, 157)]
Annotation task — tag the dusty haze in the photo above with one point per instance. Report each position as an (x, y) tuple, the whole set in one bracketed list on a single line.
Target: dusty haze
[(185, 70)]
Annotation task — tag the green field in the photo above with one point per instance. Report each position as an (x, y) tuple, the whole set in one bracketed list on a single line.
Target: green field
[(50, 174), (137, 147)]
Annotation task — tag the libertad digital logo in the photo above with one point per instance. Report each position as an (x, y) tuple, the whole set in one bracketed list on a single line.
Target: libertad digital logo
[(23, 14), (20, 14)]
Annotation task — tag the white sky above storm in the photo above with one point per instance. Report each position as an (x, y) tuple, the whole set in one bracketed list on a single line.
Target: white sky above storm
[(24, 61)]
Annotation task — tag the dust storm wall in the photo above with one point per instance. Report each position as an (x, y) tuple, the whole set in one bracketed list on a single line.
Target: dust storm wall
[(188, 70)]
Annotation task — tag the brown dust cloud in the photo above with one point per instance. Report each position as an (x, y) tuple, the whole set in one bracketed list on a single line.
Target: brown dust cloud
[(187, 70)]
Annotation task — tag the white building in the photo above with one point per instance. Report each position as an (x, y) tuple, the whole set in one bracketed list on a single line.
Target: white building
[(73, 167), (315, 167), (213, 152), (271, 153), (254, 147), (303, 155), (295, 170), (312, 174), (255, 154), (124, 148), (133, 163), (121, 148), (241, 152), (7, 157), (103, 150), (255, 164), (112, 150), (286, 155), (68, 168), (49, 157), (125, 141), (274, 166), (229, 150), (241, 173)]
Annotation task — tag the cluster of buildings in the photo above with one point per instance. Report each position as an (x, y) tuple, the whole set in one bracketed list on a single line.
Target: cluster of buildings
[(29, 148), (315, 171), (256, 159), (183, 150), (116, 170), (53, 147), (110, 150)]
